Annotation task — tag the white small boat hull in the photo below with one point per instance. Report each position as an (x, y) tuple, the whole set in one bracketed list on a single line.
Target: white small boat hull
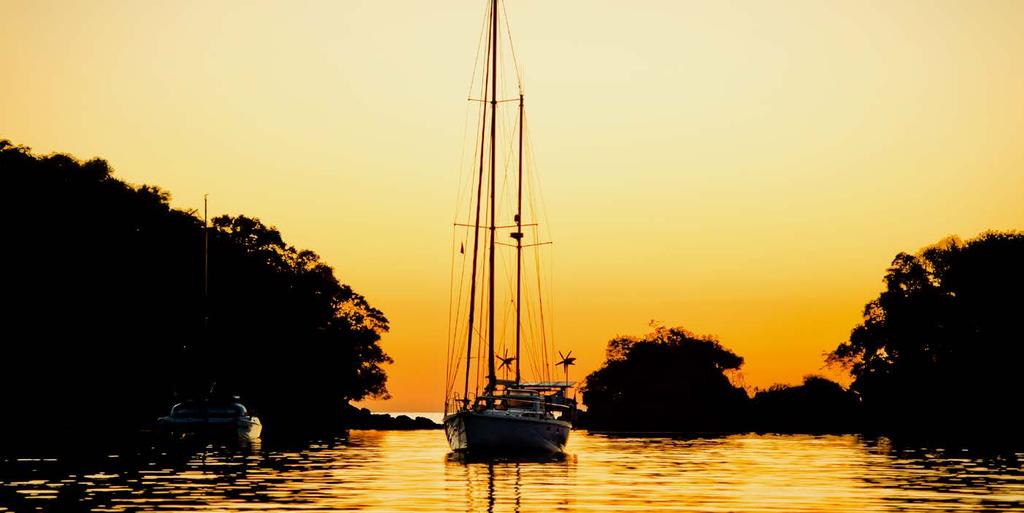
[(249, 427), (496, 431)]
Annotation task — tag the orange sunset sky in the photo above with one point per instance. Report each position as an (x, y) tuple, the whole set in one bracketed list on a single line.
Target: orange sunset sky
[(745, 169)]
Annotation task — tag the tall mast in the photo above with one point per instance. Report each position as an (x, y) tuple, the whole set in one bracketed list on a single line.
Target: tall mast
[(476, 252), (491, 380), (519, 238), (206, 268)]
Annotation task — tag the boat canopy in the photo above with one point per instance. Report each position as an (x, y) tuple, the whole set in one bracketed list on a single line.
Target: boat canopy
[(208, 409)]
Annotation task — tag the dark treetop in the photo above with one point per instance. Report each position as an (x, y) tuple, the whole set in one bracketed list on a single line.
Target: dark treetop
[(938, 354), (669, 380), (104, 308), (672, 380), (941, 347)]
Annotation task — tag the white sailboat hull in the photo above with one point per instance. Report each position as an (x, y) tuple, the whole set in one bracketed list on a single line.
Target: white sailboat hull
[(502, 432)]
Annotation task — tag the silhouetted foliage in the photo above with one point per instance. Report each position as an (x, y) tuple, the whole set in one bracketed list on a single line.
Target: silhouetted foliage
[(669, 380), (941, 347), (104, 307), (818, 405)]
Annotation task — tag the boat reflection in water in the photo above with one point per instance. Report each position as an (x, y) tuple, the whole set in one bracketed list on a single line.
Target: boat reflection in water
[(389, 471), (495, 483)]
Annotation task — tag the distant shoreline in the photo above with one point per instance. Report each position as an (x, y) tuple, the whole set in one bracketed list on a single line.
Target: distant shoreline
[(362, 418), (436, 416)]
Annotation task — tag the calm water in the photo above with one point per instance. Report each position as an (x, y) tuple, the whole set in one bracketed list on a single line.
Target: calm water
[(411, 471)]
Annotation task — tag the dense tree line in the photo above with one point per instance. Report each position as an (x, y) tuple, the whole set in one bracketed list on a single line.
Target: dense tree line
[(105, 325), (937, 353), (940, 348), (674, 380), (104, 307)]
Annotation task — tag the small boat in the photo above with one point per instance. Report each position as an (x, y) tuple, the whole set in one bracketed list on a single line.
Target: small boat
[(211, 417), (510, 416), (210, 414)]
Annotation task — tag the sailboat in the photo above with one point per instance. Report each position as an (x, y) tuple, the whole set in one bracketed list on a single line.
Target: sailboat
[(510, 415), (210, 414)]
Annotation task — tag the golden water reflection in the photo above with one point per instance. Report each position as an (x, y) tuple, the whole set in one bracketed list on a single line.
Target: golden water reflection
[(413, 471)]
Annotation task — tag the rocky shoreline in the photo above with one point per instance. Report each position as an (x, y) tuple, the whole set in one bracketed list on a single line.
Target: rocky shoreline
[(363, 418)]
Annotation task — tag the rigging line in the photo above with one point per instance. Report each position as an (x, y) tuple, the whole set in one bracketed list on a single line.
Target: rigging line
[(507, 158), (540, 302), (476, 240), (479, 118), (511, 143), (530, 349), (536, 188), (468, 333), (477, 331), (477, 159), (488, 101), (498, 227), (460, 333), (507, 127), (505, 176), (536, 290), (453, 315), (504, 326), (543, 361), (541, 215), (468, 184), (476, 64), (481, 334), (512, 50), (531, 333), (462, 163), (461, 287), (550, 334), (452, 364), (486, 322), (453, 322), (509, 283), (450, 348), (551, 297), (476, 57), (538, 335), (548, 243), (539, 326)]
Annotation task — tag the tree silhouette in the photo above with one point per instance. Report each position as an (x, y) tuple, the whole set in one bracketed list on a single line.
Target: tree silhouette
[(669, 380), (940, 348), (818, 405), (104, 307)]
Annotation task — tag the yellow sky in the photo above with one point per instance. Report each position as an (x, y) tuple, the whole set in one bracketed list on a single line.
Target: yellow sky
[(746, 169)]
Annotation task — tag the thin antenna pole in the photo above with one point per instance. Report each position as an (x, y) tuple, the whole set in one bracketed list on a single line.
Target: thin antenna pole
[(519, 242), (491, 379), (206, 266)]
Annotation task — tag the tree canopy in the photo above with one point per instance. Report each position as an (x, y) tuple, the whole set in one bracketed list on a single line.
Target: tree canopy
[(105, 310), (671, 379), (942, 345), (818, 405)]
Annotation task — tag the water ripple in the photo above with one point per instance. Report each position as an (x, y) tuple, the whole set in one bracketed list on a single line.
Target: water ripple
[(413, 471)]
